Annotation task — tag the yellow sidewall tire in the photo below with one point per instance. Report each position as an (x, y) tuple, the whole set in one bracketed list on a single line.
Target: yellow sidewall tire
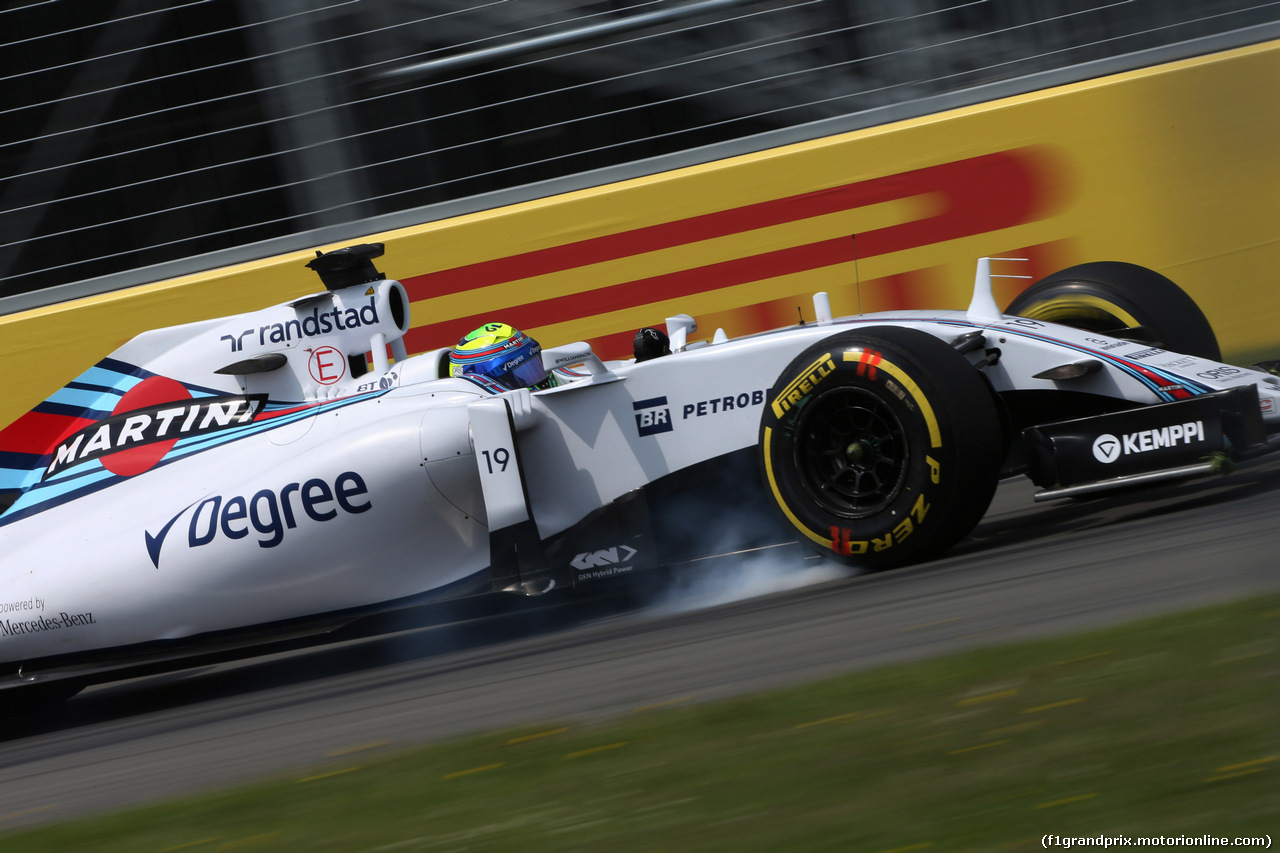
[(881, 446)]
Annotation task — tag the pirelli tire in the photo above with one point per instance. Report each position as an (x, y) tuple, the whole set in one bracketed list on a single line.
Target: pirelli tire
[(881, 446), (1112, 297)]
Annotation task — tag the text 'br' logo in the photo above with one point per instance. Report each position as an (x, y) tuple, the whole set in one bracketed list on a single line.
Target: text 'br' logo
[(652, 416), (1106, 448)]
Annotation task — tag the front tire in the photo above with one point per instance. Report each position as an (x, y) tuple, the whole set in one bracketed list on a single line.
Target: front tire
[(881, 446), (1113, 298)]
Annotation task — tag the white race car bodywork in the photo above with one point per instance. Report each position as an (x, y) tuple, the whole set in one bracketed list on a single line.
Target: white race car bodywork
[(196, 503)]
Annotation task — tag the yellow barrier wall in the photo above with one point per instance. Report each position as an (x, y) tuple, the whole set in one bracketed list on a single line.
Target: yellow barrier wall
[(1175, 167)]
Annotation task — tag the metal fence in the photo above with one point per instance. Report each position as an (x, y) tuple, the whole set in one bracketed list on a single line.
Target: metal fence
[(143, 139)]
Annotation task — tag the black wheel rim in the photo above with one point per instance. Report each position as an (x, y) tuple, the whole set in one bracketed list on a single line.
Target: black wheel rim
[(851, 452)]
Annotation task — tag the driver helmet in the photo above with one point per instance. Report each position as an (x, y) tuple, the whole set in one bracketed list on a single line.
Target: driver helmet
[(499, 358)]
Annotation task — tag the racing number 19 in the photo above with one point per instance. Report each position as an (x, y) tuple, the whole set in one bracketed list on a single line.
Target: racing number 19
[(501, 456)]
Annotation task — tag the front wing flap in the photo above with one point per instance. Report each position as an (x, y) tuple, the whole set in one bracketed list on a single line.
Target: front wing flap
[(1166, 437)]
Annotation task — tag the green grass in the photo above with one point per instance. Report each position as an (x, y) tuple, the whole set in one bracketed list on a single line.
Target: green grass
[(1167, 727)]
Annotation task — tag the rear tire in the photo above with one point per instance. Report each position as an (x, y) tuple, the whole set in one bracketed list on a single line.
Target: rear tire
[(881, 446), (1111, 297)]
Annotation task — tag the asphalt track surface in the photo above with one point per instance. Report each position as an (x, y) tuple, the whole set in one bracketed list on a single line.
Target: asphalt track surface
[(1029, 570)]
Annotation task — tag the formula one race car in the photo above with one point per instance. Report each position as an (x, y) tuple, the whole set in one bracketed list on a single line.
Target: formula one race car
[(208, 484)]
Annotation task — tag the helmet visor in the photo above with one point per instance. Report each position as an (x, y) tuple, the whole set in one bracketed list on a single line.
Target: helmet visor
[(526, 374)]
